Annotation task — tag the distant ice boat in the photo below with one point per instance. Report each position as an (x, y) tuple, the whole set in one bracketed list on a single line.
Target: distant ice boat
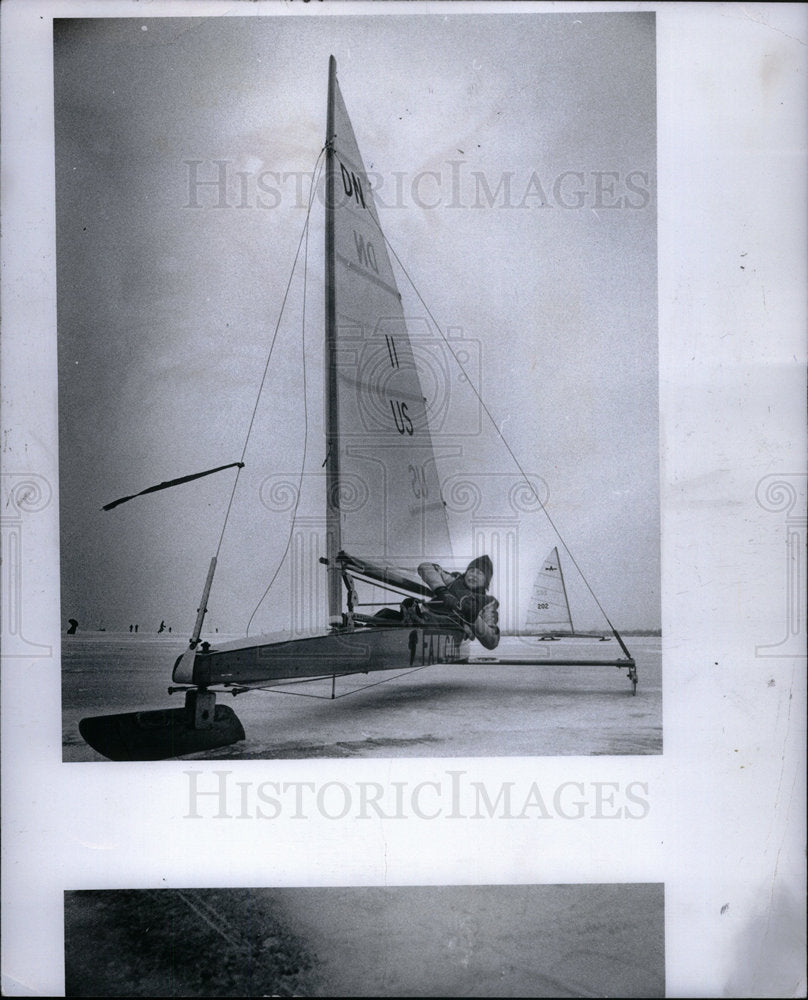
[(549, 613)]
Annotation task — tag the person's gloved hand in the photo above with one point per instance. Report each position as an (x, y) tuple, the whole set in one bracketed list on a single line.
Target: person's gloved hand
[(447, 599), (470, 606), (490, 615)]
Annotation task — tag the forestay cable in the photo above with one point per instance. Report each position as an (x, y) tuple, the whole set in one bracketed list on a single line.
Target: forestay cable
[(502, 437)]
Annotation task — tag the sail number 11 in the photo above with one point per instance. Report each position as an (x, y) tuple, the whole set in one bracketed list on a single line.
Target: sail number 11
[(400, 415)]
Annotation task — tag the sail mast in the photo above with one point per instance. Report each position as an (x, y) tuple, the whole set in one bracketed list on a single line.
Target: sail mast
[(333, 532)]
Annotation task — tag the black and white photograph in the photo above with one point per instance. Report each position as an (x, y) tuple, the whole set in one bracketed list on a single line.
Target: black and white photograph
[(357, 337), (427, 941), (403, 498)]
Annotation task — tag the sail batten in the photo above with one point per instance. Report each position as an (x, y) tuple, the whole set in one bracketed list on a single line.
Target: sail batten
[(364, 386), (356, 269)]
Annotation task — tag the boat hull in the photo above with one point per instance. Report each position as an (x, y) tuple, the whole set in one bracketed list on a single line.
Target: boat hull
[(362, 650)]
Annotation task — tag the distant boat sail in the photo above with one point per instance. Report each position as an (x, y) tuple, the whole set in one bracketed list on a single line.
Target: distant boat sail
[(549, 614), (549, 609), (384, 509)]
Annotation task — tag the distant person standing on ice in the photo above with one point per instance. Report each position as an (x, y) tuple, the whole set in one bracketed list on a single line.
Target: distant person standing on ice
[(463, 595)]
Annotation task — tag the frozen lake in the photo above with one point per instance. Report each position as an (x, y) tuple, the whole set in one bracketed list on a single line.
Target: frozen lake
[(453, 710)]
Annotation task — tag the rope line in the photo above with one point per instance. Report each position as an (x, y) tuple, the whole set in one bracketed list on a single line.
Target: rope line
[(494, 424), (305, 237)]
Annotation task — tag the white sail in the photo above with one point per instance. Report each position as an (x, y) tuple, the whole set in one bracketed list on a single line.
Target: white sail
[(549, 609), (384, 500)]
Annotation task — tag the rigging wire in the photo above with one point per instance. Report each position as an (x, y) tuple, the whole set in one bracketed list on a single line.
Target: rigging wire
[(304, 238), (490, 416), (303, 235), (276, 689)]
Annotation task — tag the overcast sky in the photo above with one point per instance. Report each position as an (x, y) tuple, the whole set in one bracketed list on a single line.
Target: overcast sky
[(513, 159)]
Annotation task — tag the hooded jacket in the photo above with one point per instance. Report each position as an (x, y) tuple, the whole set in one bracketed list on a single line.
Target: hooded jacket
[(476, 608)]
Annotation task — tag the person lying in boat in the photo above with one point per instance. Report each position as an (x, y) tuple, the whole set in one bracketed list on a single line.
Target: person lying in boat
[(463, 596), (458, 599)]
